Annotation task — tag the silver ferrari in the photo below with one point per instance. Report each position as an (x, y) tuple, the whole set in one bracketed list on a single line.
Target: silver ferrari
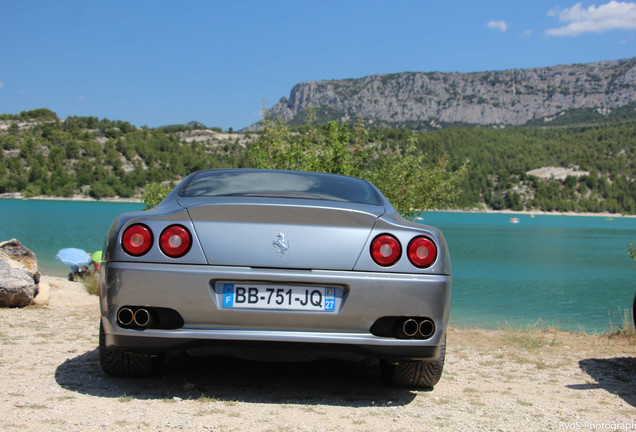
[(275, 265)]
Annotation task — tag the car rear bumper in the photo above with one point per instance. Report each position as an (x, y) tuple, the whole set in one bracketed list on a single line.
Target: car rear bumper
[(207, 325)]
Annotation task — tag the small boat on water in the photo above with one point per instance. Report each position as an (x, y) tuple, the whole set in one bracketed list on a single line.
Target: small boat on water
[(514, 220)]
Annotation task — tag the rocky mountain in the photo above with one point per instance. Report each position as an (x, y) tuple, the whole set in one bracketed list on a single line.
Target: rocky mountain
[(425, 100)]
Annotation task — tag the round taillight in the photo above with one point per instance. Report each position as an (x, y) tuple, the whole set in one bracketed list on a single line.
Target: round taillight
[(385, 250), (422, 252), (175, 241), (136, 240)]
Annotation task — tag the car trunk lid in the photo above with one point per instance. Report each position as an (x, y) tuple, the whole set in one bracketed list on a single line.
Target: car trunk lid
[(283, 235)]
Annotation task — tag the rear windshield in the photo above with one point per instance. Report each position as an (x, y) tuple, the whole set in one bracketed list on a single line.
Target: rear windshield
[(280, 184)]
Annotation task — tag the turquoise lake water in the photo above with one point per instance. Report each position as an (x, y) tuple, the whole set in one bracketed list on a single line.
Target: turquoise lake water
[(571, 271)]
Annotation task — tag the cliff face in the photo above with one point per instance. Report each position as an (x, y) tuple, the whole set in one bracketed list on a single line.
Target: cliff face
[(424, 100)]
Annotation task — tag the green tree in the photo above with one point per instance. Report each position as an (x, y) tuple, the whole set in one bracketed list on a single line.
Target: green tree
[(409, 182), (41, 114), (154, 194), (32, 190), (101, 189)]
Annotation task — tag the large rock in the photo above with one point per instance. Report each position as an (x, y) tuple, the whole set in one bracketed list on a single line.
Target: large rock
[(19, 275), (428, 99)]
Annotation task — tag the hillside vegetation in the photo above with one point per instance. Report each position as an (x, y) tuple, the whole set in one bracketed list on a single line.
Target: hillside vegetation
[(44, 155), (601, 158)]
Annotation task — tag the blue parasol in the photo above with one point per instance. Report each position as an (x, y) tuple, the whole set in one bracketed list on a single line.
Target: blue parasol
[(73, 257)]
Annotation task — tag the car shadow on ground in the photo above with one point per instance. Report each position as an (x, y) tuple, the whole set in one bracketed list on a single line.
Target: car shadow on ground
[(615, 375), (334, 383)]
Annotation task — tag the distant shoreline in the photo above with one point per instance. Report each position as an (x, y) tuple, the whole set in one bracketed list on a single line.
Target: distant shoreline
[(537, 212), (19, 195)]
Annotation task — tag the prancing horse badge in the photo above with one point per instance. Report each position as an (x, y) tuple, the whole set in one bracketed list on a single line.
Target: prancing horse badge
[(281, 244)]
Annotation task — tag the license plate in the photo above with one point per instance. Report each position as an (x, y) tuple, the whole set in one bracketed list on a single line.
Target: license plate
[(297, 298)]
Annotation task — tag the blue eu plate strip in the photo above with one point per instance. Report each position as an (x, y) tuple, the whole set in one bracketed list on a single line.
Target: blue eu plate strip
[(228, 295)]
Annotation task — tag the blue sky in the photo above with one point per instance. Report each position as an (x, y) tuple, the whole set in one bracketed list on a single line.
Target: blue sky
[(157, 62)]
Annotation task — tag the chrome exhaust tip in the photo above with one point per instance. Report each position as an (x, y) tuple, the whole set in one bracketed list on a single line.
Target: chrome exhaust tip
[(142, 317), (426, 328), (125, 316), (409, 327)]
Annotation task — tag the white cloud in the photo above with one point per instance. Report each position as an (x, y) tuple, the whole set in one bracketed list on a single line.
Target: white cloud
[(497, 25), (610, 16), (526, 34), (1, 84)]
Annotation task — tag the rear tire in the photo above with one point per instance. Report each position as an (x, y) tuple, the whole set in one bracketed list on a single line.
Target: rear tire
[(415, 374), (126, 364)]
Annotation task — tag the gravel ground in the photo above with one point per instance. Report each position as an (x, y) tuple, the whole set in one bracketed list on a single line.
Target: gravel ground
[(51, 381)]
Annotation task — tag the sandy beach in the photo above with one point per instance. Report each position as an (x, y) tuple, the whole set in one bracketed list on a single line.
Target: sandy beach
[(493, 380)]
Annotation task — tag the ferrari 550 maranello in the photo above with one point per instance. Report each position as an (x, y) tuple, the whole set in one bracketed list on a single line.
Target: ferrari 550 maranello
[(275, 265)]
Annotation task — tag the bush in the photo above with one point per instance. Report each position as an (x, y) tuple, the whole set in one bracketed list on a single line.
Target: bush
[(624, 329), (91, 283)]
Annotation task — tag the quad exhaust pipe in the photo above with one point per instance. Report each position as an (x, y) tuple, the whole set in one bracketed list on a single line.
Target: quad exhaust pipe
[(415, 328), (125, 316), (139, 318), (409, 328), (142, 317), (426, 328)]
